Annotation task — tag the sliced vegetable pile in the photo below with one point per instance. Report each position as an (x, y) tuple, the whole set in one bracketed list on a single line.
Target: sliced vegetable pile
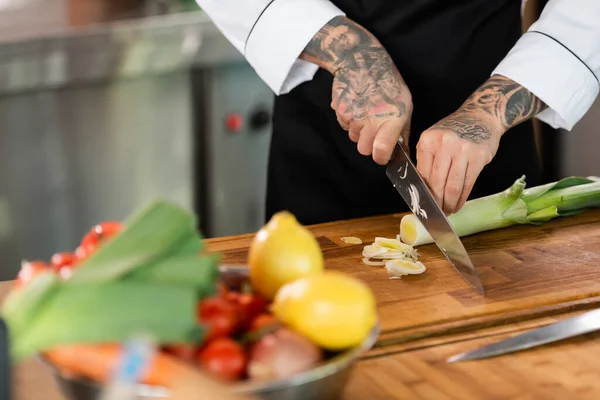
[(152, 275), (398, 258), (515, 205)]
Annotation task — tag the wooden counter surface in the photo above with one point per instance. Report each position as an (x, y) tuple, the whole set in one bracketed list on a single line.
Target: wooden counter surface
[(528, 271), (533, 274)]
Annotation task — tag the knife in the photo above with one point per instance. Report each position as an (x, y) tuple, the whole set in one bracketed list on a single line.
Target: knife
[(575, 326), (415, 192)]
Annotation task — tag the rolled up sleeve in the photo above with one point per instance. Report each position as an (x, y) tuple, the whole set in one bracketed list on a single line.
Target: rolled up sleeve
[(558, 60), (271, 34)]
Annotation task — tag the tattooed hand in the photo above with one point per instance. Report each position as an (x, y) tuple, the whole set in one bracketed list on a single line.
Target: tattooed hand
[(452, 153), (369, 97)]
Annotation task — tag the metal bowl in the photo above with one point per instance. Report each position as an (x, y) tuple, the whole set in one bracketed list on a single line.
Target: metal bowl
[(324, 382)]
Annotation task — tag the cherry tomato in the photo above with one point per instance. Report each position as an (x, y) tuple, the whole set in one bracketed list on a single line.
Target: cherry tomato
[(29, 270), (60, 260), (88, 245), (185, 352), (95, 236), (218, 315), (249, 307), (223, 358), (262, 321), (107, 229), (65, 272), (81, 253)]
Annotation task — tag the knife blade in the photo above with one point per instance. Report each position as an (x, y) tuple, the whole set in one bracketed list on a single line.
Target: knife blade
[(579, 325), (415, 192)]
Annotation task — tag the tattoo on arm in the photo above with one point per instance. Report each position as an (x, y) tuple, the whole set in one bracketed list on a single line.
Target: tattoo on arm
[(367, 82), (504, 101)]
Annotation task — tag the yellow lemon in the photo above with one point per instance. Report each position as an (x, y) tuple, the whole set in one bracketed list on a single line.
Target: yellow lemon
[(334, 310), (281, 252)]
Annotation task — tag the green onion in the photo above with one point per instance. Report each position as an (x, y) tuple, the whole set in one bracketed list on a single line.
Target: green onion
[(156, 231), (145, 280), (22, 305), (515, 205), (198, 272), (111, 312)]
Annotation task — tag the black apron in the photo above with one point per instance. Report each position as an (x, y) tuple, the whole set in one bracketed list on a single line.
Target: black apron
[(444, 50)]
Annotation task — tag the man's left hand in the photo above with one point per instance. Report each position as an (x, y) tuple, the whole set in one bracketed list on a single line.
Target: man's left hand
[(452, 153)]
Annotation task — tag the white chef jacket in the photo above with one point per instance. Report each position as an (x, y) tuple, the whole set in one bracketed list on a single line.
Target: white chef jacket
[(557, 59)]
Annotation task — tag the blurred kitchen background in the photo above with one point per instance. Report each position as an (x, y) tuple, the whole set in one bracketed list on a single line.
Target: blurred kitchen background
[(107, 104)]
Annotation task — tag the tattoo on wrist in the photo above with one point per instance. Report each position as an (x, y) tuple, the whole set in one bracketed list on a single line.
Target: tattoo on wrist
[(505, 100), (466, 128), (500, 100), (366, 79)]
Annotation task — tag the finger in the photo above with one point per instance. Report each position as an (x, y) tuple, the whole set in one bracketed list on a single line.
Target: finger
[(342, 123), (473, 171), (424, 161), (455, 184), (385, 140), (439, 175), (355, 132), (367, 137)]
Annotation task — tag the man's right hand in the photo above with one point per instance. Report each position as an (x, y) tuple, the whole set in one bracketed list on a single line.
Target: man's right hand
[(369, 96)]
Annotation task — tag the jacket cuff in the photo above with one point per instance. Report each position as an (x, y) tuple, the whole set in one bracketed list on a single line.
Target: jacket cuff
[(280, 35), (554, 75)]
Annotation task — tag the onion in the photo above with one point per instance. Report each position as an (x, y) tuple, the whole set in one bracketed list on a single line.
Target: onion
[(398, 258), (281, 354), (367, 261), (351, 240), (399, 268)]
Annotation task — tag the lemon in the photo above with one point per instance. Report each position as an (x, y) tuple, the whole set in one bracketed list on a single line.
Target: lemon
[(281, 252), (334, 310)]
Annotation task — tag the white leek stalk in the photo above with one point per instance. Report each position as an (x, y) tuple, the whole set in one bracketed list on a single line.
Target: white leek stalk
[(515, 205)]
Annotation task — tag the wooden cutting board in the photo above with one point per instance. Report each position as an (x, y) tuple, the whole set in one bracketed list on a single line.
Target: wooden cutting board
[(562, 370), (528, 271)]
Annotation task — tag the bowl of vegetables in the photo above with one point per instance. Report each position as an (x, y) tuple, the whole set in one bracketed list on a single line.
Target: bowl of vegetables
[(280, 327), (291, 367)]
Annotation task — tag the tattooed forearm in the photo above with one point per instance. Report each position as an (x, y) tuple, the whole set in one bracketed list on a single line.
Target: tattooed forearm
[(505, 100), (367, 82), (496, 106)]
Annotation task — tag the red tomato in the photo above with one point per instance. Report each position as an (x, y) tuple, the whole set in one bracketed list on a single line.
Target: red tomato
[(65, 272), (262, 321), (29, 270), (218, 315), (88, 245), (108, 229), (249, 307), (81, 253), (95, 236), (223, 358), (60, 260), (185, 352)]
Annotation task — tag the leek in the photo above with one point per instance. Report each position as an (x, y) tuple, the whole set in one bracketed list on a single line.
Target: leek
[(147, 279), (515, 205), (109, 313)]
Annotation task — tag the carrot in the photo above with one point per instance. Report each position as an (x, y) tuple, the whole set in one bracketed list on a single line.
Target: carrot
[(97, 362)]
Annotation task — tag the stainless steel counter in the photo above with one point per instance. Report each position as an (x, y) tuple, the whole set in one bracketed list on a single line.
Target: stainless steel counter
[(54, 54)]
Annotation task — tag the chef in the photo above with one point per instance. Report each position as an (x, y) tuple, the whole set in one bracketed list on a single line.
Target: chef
[(455, 80)]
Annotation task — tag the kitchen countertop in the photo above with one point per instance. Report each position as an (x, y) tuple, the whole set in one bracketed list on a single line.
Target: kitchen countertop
[(429, 317)]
